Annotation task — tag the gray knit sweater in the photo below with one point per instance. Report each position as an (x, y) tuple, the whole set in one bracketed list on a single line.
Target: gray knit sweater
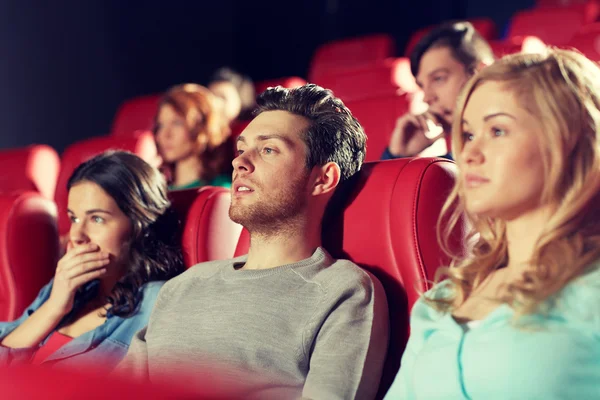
[(315, 329)]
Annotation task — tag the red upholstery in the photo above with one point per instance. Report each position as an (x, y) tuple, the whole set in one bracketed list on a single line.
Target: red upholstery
[(287, 82), (387, 224), (208, 233), (378, 117), (135, 114), (485, 26), (590, 8), (587, 41), (143, 145), (35, 383), (28, 250), (376, 95), (350, 53), (554, 26), (33, 167)]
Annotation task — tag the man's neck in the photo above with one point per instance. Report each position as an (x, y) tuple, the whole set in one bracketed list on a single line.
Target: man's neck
[(270, 251)]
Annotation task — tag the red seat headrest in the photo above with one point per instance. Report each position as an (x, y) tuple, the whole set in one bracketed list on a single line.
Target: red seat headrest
[(28, 250), (208, 232), (135, 114), (33, 167)]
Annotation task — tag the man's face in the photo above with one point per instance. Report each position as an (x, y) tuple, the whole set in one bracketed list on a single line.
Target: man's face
[(441, 77), (270, 188)]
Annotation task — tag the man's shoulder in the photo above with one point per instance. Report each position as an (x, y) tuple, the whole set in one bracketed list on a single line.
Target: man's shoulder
[(343, 275)]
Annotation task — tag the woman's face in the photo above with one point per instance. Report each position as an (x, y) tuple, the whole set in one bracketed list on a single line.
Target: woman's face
[(96, 218), (172, 136), (231, 102), (501, 170)]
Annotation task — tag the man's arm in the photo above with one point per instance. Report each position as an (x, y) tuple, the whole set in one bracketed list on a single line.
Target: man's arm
[(350, 348)]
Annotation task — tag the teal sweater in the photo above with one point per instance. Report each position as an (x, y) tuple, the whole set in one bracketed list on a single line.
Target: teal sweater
[(556, 357)]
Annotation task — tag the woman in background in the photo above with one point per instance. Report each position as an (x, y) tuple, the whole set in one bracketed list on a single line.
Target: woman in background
[(192, 135)]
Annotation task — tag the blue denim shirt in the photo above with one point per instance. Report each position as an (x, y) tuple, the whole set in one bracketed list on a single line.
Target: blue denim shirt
[(103, 347)]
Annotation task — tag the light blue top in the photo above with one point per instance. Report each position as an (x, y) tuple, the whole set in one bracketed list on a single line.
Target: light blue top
[(556, 356), (102, 347)]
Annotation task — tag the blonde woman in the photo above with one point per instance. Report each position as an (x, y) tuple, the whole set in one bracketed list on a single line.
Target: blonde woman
[(519, 317)]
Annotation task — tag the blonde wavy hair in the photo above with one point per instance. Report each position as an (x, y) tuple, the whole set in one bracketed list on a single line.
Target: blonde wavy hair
[(561, 88)]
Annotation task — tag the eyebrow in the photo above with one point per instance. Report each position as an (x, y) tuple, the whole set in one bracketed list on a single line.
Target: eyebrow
[(262, 138), (93, 211), (490, 116), (435, 71)]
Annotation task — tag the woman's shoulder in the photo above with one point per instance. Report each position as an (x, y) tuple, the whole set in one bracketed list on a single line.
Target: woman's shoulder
[(150, 292), (221, 180), (579, 299)]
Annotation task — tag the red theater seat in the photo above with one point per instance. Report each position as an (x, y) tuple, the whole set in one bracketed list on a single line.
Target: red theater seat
[(135, 114), (35, 383), (385, 221), (33, 167), (208, 233), (28, 250), (350, 53), (590, 8), (485, 26), (377, 96), (554, 26), (288, 82), (587, 41), (142, 145)]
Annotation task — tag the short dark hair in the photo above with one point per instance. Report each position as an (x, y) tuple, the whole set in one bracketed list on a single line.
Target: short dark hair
[(466, 45), (334, 134), (140, 191)]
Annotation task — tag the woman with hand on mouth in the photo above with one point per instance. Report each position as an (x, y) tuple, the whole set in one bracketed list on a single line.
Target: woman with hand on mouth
[(123, 245)]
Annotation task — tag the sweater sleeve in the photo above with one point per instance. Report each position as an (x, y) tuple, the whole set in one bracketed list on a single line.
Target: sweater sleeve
[(13, 356), (349, 350)]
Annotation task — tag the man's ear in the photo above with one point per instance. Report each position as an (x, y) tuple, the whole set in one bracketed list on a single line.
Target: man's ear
[(326, 179)]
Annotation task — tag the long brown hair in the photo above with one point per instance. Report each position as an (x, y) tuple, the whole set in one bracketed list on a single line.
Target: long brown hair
[(140, 191), (562, 90), (205, 124)]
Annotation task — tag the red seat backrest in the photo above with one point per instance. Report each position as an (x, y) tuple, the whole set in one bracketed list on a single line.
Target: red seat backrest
[(208, 232), (554, 26), (34, 167), (377, 95), (350, 53), (135, 114), (289, 82), (587, 41), (590, 8), (28, 250), (486, 27), (142, 145), (385, 221)]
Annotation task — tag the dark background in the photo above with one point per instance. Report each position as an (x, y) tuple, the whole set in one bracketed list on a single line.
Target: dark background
[(65, 66)]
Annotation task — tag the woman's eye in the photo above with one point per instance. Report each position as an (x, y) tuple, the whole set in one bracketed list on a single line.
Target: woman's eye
[(240, 152), (498, 132), (268, 150), (73, 219), (467, 137), (97, 219)]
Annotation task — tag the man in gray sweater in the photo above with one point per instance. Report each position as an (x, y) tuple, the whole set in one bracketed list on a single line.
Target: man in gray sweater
[(287, 320)]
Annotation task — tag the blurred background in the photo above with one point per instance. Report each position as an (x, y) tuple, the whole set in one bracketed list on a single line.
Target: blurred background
[(66, 66)]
